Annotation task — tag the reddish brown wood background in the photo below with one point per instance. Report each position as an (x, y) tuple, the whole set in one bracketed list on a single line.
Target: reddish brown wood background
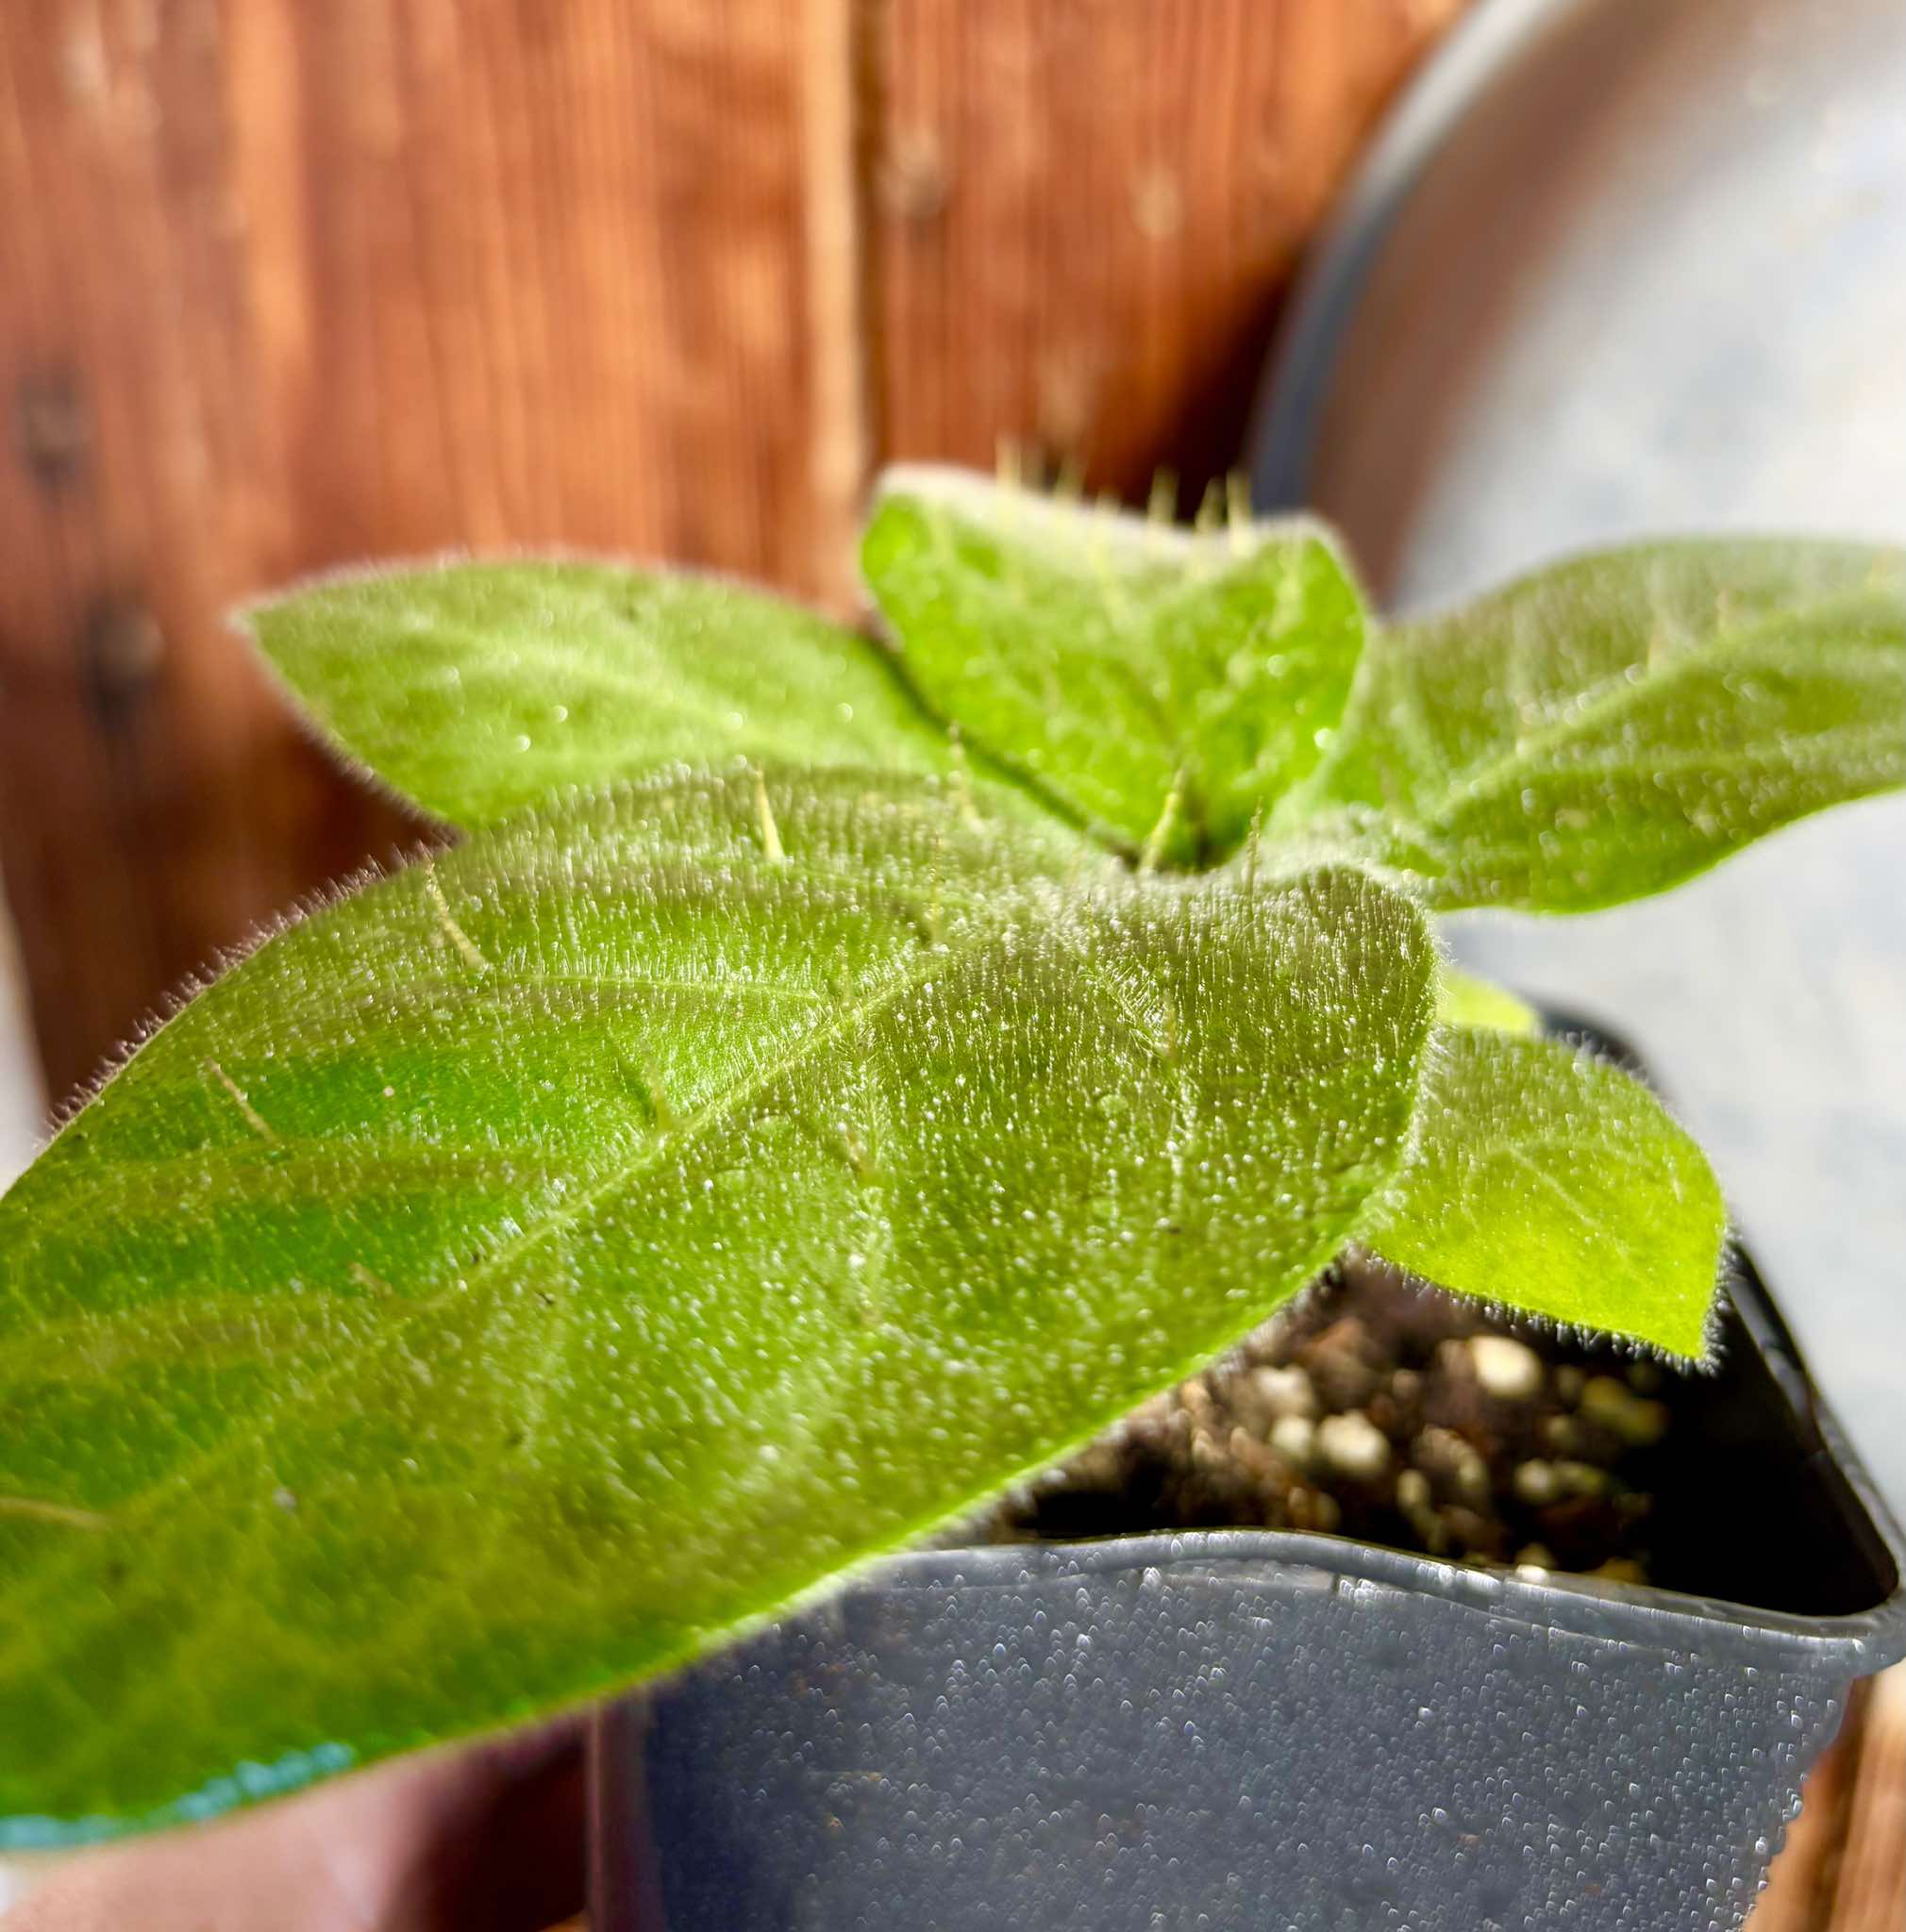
[(289, 282)]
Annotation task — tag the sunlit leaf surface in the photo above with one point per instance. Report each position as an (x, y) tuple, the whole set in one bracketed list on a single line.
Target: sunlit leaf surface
[(509, 1281), (1605, 728), (1548, 1180), (1161, 685), (478, 689)]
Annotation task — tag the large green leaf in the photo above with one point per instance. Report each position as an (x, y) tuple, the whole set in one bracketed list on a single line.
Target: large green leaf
[(509, 1281), (478, 689), (1161, 685), (1547, 1179), (1606, 728)]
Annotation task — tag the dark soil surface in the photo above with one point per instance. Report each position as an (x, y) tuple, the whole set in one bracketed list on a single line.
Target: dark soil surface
[(1380, 1410)]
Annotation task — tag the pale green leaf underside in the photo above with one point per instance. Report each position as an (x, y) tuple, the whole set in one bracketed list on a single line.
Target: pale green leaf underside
[(1549, 1180), (1118, 664), (1610, 726), (1463, 1000), (511, 1280), (478, 689)]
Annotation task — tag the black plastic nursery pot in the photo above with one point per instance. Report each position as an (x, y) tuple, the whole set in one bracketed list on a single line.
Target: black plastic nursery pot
[(1252, 1728)]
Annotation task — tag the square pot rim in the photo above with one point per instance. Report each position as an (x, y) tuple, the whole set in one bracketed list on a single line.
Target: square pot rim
[(1851, 1644)]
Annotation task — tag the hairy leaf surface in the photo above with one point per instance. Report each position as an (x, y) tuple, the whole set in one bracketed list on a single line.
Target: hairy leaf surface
[(478, 689), (1547, 1179), (1606, 728), (1159, 683), (511, 1281)]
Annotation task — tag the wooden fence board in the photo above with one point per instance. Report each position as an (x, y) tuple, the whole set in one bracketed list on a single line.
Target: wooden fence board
[(284, 285), (287, 283), (1085, 212)]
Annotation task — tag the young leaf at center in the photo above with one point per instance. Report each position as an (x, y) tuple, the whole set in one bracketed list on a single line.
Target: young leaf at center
[(513, 1279), (1161, 685)]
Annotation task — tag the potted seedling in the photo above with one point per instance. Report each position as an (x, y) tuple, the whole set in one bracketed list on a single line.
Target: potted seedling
[(829, 1083)]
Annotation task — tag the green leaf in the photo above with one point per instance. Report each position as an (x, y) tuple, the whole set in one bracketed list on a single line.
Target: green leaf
[(1463, 1000), (1159, 685), (476, 689), (1549, 1180), (1608, 727), (516, 1278)]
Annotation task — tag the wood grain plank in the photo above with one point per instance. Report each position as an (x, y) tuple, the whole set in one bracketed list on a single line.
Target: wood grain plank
[(1799, 1889), (1085, 212), (1843, 1865), (286, 284), (1870, 1892)]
